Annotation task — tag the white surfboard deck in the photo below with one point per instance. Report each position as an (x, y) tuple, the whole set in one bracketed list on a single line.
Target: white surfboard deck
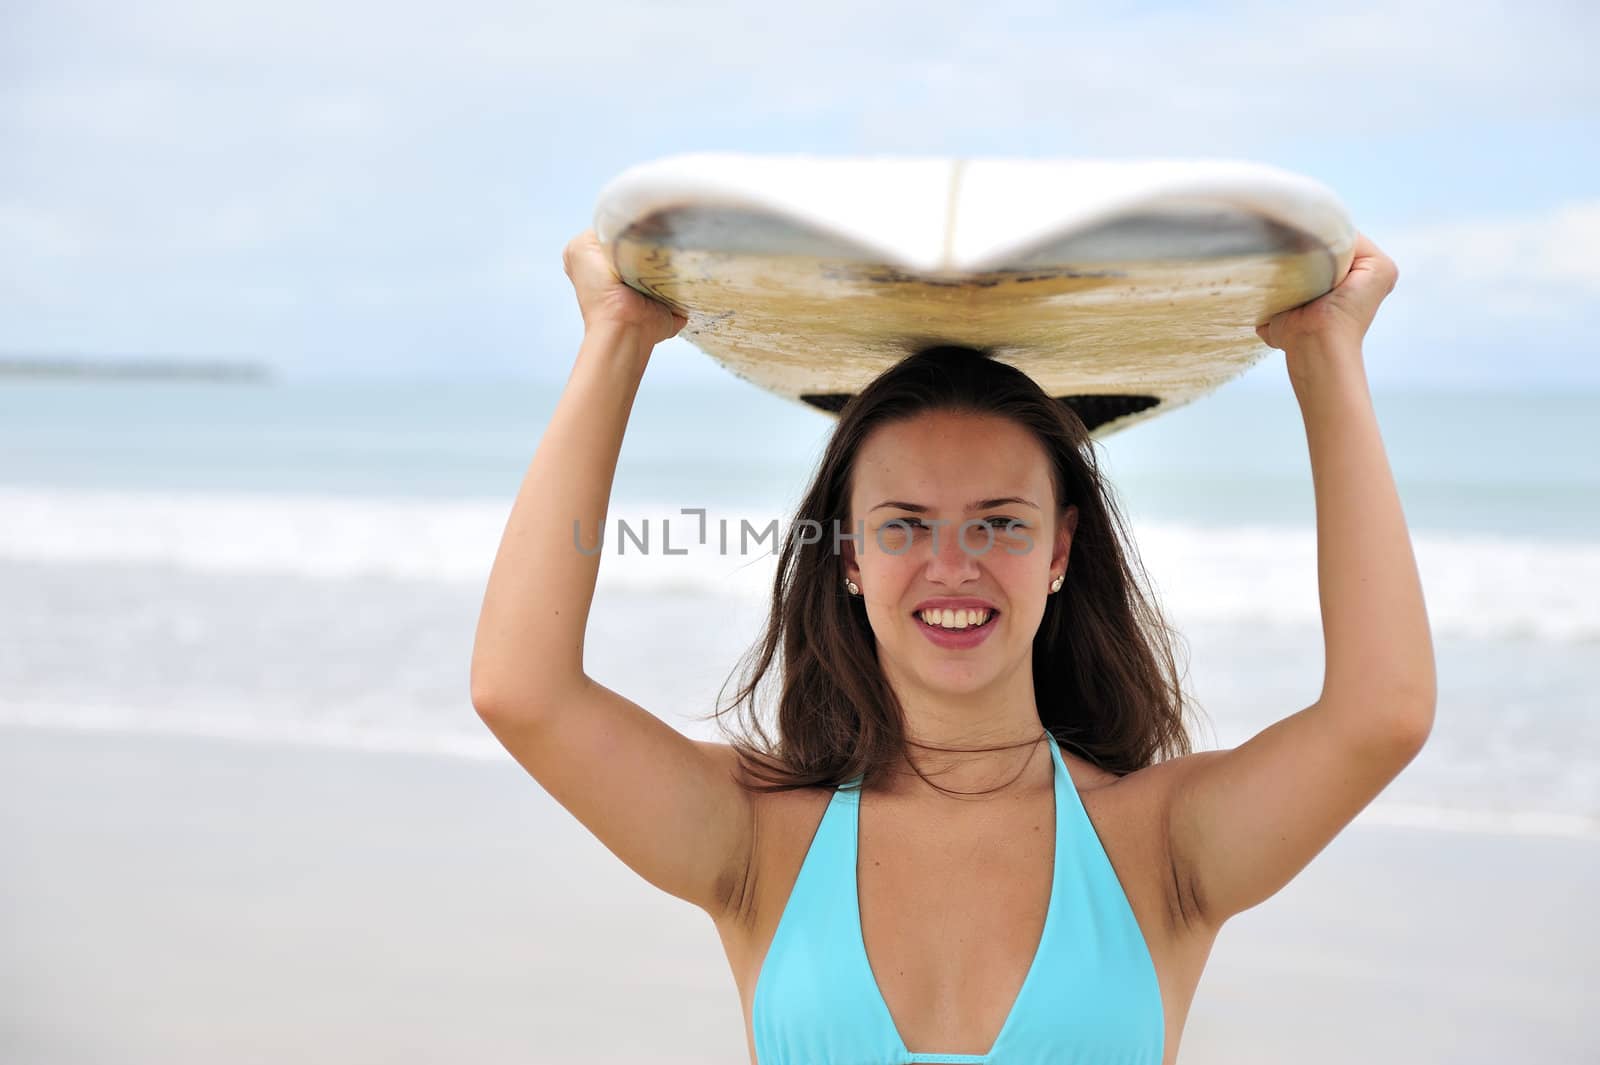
[(1124, 288)]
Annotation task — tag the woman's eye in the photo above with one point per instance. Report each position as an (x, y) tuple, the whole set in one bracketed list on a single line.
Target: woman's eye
[(995, 522), (899, 527)]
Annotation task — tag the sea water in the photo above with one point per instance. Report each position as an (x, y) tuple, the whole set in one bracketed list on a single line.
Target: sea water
[(305, 561)]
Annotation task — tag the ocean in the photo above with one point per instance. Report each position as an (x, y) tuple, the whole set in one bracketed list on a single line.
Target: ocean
[(305, 560)]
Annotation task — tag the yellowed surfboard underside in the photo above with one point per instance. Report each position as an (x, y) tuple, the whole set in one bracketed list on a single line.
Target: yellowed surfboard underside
[(812, 316)]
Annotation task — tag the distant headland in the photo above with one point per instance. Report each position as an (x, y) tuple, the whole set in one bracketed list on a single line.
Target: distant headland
[(132, 367)]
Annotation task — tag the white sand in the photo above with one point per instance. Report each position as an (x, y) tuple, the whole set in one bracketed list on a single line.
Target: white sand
[(182, 900)]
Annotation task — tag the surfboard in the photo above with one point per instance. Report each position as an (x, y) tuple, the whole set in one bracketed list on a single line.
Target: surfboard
[(1125, 288)]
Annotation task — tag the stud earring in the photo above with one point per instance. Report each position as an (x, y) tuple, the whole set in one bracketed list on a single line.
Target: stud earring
[(851, 586), (1055, 585)]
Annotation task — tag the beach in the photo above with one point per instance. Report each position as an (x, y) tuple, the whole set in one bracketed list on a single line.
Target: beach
[(248, 814), (183, 899), (293, 294)]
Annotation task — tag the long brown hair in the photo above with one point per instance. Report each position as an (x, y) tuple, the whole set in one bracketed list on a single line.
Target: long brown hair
[(1105, 679)]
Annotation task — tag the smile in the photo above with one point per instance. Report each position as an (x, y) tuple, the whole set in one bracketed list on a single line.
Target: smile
[(967, 628)]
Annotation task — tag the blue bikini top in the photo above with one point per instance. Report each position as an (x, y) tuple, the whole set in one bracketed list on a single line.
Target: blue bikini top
[(1090, 996)]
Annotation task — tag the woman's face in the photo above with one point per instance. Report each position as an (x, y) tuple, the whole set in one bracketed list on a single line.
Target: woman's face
[(915, 483)]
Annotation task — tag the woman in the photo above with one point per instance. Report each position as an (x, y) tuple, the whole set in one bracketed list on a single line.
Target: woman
[(979, 834)]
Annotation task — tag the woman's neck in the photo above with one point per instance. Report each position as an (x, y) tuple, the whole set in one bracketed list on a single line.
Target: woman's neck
[(1014, 765)]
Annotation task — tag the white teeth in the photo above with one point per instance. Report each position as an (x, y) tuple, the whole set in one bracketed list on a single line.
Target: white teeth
[(955, 619)]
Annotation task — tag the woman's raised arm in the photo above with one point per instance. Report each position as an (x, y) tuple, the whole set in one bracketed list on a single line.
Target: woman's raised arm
[(670, 807), (1242, 822)]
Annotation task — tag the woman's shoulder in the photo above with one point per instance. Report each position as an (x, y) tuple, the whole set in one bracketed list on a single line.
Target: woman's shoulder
[(1136, 800), (1086, 775)]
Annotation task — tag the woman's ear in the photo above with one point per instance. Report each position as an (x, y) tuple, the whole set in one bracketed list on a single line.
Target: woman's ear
[(1066, 528), (847, 559)]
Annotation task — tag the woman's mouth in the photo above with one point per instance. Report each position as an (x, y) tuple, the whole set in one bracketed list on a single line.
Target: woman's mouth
[(956, 628)]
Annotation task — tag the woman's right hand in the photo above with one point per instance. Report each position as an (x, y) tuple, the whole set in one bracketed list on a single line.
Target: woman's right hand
[(603, 299)]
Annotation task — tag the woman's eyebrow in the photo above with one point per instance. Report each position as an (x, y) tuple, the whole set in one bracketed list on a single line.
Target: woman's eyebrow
[(982, 504)]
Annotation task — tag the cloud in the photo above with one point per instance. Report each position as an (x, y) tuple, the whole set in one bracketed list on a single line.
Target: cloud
[(372, 174), (1162, 75), (1529, 266)]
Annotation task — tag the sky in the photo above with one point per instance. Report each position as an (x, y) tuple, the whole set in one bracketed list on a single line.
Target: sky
[(385, 189)]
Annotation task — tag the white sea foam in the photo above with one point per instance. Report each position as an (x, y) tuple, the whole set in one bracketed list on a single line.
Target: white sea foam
[(105, 717), (1476, 585), (1498, 822)]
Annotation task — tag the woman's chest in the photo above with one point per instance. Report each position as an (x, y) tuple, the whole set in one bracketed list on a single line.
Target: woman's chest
[(953, 913)]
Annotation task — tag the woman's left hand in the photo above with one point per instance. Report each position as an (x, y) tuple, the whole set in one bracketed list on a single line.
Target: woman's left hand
[(1338, 318)]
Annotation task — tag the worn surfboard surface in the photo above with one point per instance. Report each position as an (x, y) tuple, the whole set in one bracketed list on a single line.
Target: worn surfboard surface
[(1124, 288)]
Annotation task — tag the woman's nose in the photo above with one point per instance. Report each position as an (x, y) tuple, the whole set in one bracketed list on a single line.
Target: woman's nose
[(952, 556)]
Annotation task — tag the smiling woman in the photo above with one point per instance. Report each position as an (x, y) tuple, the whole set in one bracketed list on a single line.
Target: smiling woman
[(955, 481), (982, 591), (977, 833)]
